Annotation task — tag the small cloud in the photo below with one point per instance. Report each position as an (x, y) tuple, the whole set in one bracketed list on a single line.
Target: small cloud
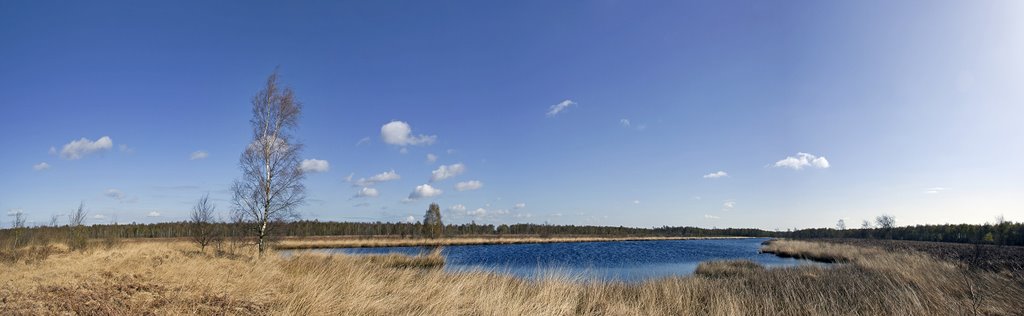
[(636, 201), (431, 158), (469, 185), (729, 204), (79, 148), (400, 134), (424, 191), (709, 216), (15, 211), (99, 216), (125, 149), (410, 219), (380, 177), (624, 122), (935, 190), (40, 166), (478, 212), (197, 155), (457, 208), (153, 214), (802, 160), (403, 150), (114, 194), (696, 198), (348, 178), (53, 150), (716, 175), (366, 192), (314, 166), (445, 172), (519, 205), (558, 108), (364, 140), (450, 151)]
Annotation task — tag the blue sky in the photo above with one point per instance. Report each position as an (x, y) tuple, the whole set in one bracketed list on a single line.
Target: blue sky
[(814, 111)]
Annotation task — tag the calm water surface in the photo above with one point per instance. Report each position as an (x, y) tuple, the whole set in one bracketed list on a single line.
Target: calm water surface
[(617, 260)]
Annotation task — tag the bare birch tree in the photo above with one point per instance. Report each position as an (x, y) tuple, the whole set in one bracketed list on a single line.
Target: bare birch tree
[(271, 186), (202, 223)]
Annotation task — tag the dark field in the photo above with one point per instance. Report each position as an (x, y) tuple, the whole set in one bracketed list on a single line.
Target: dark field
[(985, 257)]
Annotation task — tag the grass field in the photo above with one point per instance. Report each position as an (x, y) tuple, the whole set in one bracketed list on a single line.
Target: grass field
[(173, 278)]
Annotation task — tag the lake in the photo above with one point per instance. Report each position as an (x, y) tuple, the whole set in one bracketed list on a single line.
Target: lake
[(615, 260)]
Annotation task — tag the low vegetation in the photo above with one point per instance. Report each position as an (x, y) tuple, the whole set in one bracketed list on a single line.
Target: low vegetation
[(141, 277)]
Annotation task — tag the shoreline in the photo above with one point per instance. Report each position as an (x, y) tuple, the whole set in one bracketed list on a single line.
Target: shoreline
[(342, 242)]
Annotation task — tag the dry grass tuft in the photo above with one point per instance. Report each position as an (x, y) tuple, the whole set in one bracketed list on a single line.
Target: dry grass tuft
[(172, 278)]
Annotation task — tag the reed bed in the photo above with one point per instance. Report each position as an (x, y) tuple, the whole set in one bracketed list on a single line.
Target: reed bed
[(173, 278)]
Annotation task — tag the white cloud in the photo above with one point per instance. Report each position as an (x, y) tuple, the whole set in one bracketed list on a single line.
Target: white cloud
[(15, 211), (114, 194), (79, 148), (716, 175), (636, 201), (399, 133), (624, 122), (198, 154), (380, 177), (478, 212), (410, 219), (364, 140), (431, 158), (153, 214), (99, 216), (314, 165), (445, 172), (40, 166), (125, 149), (558, 108), (729, 204), (935, 190), (366, 192), (457, 208), (424, 191), (469, 185), (709, 216), (520, 205), (802, 160)]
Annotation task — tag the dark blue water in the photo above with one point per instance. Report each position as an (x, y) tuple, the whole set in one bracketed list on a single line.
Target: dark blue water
[(618, 260)]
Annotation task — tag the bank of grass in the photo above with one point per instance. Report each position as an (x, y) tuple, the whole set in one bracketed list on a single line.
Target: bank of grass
[(172, 278), (349, 242)]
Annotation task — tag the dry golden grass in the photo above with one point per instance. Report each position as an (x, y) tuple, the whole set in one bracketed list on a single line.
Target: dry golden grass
[(172, 278), (349, 242)]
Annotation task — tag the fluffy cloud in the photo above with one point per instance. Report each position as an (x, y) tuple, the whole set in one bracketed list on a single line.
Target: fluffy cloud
[(199, 154), (624, 122), (457, 208), (431, 158), (469, 185), (478, 212), (399, 133), (366, 192), (424, 191), (314, 165), (716, 175), (445, 172), (410, 219), (519, 205), (935, 190), (709, 216), (153, 214), (561, 106), (380, 177), (114, 194), (802, 160), (40, 166), (79, 148), (729, 204), (99, 216)]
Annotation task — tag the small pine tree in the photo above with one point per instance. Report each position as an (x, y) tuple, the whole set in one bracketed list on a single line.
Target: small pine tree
[(432, 225)]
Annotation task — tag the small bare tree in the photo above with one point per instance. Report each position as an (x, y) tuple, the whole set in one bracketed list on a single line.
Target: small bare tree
[(18, 227), (271, 185), (202, 222), (841, 224), (77, 239)]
